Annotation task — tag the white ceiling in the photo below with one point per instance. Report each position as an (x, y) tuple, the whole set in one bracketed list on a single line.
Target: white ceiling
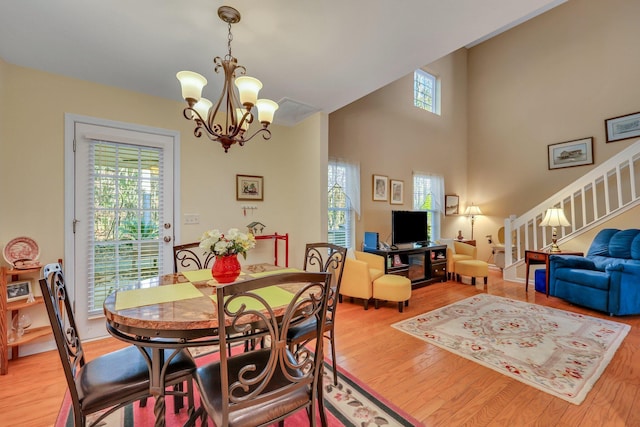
[(324, 54)]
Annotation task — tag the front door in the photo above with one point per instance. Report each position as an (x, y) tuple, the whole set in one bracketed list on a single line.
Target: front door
[(122, 214)]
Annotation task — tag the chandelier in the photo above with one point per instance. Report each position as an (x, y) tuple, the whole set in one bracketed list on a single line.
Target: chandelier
[(232, 125)]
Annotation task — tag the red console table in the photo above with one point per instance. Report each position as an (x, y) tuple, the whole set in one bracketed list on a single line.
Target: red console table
[(275, 238)]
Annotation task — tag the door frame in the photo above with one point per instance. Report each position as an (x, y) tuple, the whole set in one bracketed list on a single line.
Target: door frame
[(70, 121)]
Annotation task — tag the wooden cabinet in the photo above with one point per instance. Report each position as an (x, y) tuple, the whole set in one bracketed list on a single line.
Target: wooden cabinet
[(423, 265), (10, 311)]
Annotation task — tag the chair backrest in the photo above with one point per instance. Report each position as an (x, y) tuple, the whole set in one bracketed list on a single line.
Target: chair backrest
[(328, 258), (63, 325), (253, 310), (191, 256)]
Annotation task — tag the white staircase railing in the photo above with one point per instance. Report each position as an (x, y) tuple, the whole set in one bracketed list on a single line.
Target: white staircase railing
[(608, 190)]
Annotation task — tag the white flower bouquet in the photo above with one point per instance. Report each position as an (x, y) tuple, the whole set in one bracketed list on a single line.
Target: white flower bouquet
[(233, 242)]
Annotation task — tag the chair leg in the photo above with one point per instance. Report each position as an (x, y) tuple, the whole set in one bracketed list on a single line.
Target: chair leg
[(333, 360), (340, 298), (366, 304), (375, 303), (143, 402), (473, 281), (400, 306), (485, 280)]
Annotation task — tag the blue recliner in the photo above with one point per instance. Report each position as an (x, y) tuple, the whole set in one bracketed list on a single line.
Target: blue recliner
[(606, 279)]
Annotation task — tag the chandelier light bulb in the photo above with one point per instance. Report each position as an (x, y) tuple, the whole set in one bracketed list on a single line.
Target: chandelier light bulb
[(266, 109), (192, 84), (248, 87), (202, 107)]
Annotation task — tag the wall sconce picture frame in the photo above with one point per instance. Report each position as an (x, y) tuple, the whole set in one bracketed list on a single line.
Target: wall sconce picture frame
[(397, 192), (380, 188), (249, 187), (18, 290), (451, 204), (578, 152), (622, 127)]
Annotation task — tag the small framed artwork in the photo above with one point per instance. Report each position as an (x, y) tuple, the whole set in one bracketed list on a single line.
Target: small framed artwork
[(571, 153), (380, 188), (622, 127), (249, 187), (451, 204), (397, 192), (18, 290)]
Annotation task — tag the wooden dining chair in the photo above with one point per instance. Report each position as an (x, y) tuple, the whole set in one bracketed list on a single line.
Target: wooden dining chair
[(266, 384), (110, 381), (324, 257), (190, 256)]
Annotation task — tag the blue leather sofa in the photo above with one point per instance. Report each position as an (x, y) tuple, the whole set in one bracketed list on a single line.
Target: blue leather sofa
[(606, 279)]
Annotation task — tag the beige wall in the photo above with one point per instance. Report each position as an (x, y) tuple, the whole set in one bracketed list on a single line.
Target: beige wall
[(33, 169), (553, 79), (389, 136)]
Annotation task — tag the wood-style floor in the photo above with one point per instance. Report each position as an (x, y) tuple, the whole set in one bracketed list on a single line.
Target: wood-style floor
[(436, 387)]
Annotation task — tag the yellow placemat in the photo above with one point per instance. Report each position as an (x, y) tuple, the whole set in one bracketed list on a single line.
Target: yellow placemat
[(272, 272), (275, 296), (198, 275), (155, 295)]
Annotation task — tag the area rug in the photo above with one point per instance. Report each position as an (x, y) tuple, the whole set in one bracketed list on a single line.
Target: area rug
[(350, 403), (555, 351)]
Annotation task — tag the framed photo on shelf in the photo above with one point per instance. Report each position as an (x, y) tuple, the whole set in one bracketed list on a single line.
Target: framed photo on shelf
[(571, 153), (249, 187), (622, 127), (397, 192), (18, 290), (451, 204), (380, 188)]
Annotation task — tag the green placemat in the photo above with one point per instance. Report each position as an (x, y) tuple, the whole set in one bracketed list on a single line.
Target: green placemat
[(272, 272), (274, 295), (155, 295), (198, 275)]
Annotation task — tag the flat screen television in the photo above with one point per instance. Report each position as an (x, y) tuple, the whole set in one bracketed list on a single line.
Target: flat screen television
[(409, 227)]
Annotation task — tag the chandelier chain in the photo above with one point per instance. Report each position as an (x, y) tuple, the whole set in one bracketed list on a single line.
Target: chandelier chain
[(229, 40)]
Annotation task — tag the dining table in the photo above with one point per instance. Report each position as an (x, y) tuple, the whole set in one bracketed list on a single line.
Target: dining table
[(175, 311)]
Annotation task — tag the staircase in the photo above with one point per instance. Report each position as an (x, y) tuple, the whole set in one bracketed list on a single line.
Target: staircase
[(606, 191)]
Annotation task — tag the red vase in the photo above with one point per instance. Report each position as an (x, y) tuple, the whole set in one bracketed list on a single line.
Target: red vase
[(226, 269)]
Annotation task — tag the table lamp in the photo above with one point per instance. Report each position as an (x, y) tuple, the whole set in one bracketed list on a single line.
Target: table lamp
[(472, 211), (554, 218)]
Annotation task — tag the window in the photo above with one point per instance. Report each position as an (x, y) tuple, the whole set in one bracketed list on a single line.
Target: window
[(343, 202), (428, 195), (425, 91)]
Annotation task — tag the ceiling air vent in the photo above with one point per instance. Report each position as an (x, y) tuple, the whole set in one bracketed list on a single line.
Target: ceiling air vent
[(291, 112)]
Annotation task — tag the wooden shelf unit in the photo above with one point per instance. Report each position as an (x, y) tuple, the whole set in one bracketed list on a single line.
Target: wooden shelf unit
[(14, 307)]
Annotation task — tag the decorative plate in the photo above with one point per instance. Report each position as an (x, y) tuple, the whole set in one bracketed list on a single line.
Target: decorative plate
[(21, 252)]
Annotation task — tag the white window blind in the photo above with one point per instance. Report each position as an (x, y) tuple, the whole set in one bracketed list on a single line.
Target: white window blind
[(428, 195), (125, 211), (343, 202)]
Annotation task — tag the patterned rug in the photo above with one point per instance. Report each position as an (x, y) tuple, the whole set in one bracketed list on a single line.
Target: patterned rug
[(555, 351), (350, 403)]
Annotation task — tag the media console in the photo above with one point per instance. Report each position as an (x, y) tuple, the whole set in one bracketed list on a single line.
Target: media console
[(423, 265)]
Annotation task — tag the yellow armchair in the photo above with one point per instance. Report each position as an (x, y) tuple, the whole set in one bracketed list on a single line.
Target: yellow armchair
[(359, 274), (461, 251)]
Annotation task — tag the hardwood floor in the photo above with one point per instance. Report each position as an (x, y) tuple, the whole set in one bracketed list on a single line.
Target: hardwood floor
[(433, 385)]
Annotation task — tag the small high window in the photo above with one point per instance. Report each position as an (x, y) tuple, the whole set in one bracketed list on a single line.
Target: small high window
[(425, 91)]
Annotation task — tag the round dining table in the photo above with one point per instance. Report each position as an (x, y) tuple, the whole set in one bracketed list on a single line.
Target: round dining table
[(155, 319)]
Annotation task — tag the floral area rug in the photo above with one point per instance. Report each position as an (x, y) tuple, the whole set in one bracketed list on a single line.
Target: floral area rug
[(350, 403), (555, 351)]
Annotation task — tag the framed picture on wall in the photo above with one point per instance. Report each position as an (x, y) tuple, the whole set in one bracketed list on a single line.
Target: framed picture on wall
[(623, 127), (451, 204), (249, 187), (571, 153), (380, 188), (397, 192)]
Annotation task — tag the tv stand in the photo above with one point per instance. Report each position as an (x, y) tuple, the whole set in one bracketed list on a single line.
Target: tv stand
[(424, 265)]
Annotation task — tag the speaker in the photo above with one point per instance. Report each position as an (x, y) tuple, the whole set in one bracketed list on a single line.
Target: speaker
[(370, 240)]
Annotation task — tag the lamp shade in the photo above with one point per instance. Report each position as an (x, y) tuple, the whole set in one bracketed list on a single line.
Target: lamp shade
[(202, 107), (554, 217), (266, 110), (472, 210), (248, 87), (192, 84)]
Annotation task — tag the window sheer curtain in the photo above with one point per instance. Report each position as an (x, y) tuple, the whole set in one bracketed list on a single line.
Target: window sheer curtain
[(343, 201), (428, 195), (347, 175)]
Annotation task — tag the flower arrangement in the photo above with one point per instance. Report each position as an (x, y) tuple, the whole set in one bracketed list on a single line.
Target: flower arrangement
[(233, 242)]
